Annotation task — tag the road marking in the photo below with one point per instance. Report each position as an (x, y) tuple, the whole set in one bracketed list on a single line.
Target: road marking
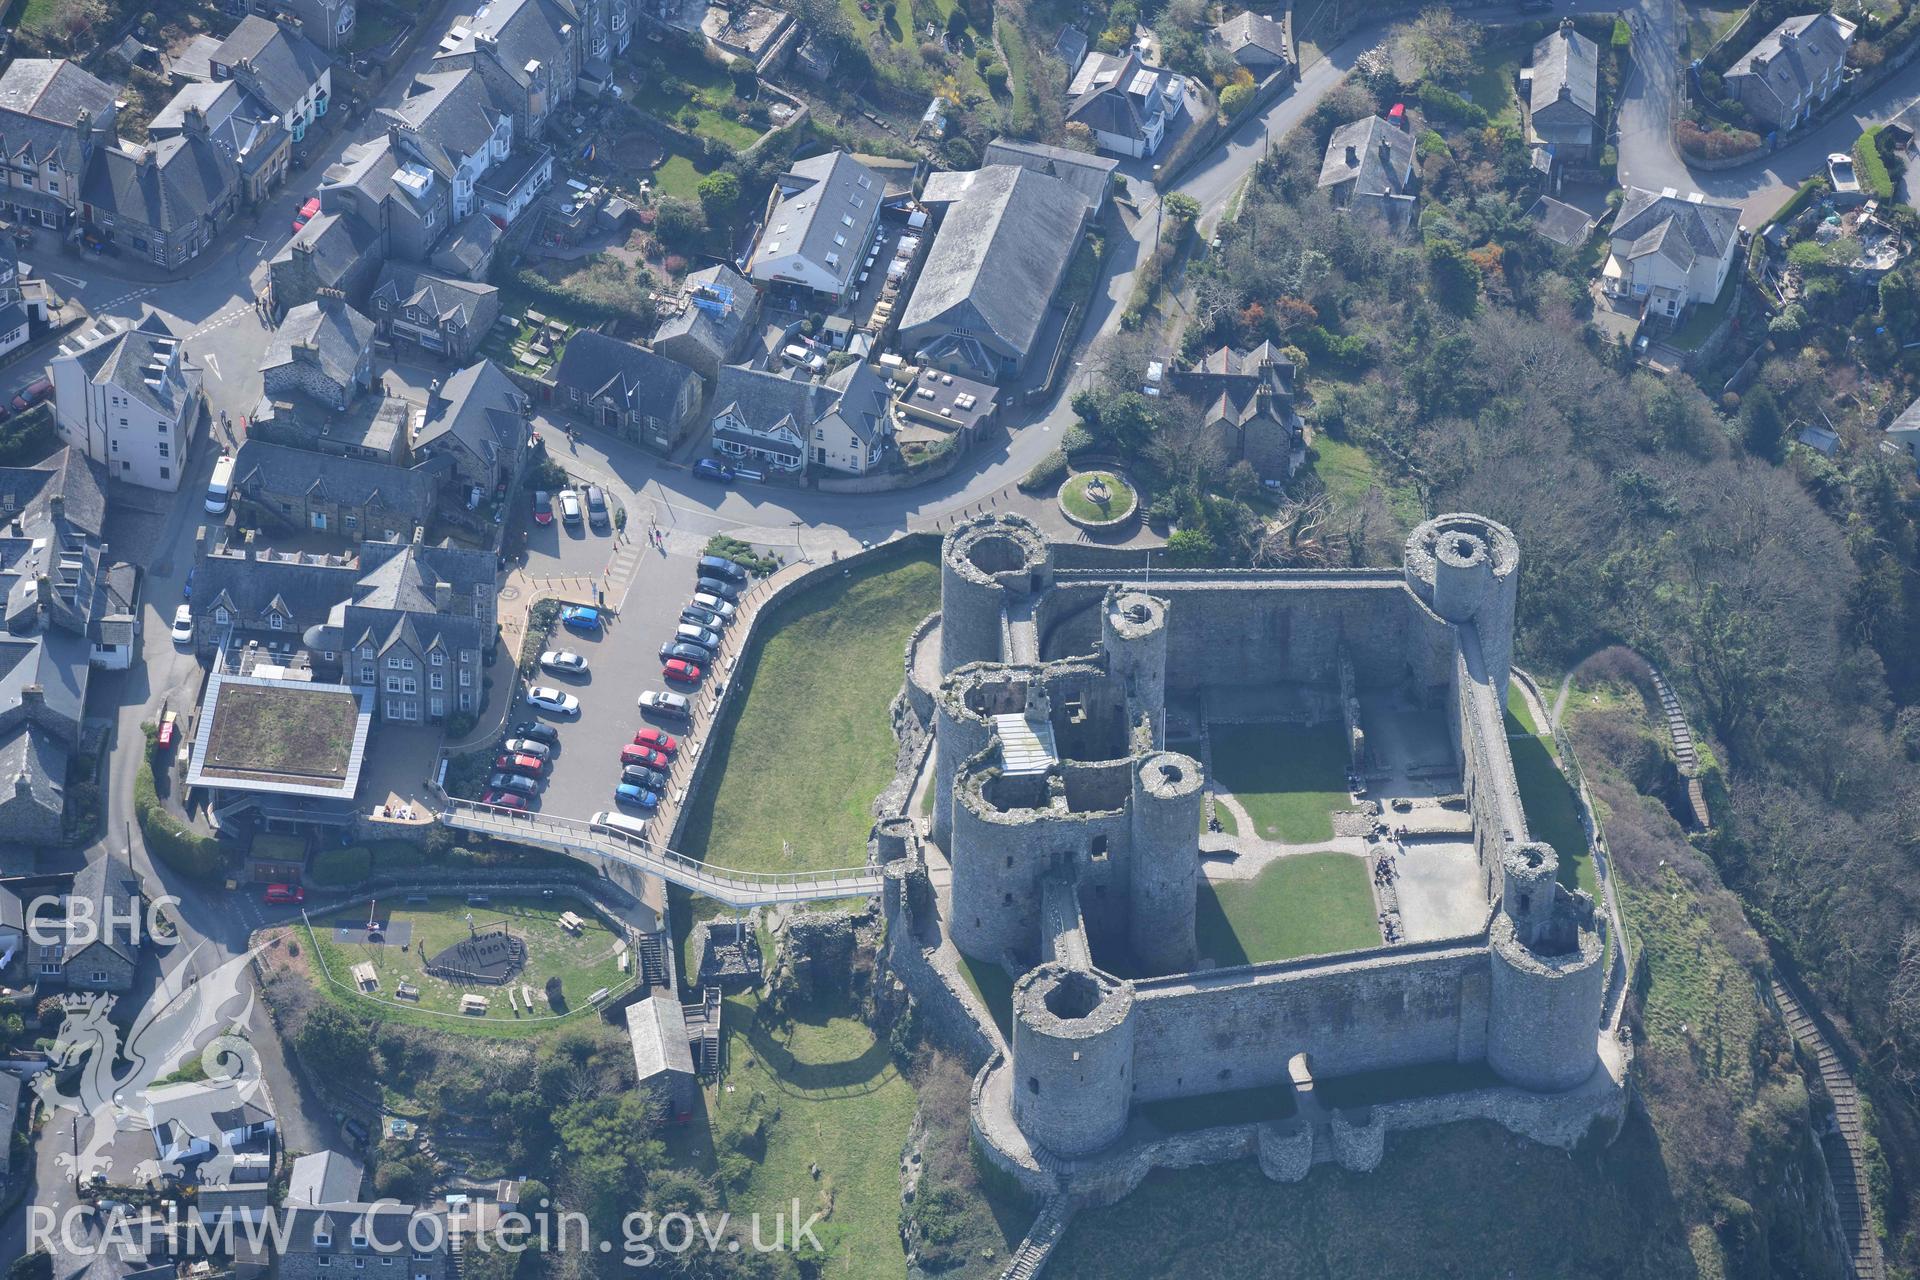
[(213, 363), (78, 284)]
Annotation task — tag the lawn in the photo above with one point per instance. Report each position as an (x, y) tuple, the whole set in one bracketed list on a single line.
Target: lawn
[(713, 101), (1289, 779), (1309, 905), (796, 763), (583, 965), (1418, 1214), (1491, 87), (1519, 714), (1701, 321), (679, 178), (1553, 810), (1120, 500), (843, 1115), (1349, 473)]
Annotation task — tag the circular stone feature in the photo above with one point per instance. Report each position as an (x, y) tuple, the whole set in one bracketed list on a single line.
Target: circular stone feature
[(1098, 499)]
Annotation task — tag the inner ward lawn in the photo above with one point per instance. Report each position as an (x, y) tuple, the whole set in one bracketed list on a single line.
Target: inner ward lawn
[(1289, 778), (1306, 905), (842, 1105)]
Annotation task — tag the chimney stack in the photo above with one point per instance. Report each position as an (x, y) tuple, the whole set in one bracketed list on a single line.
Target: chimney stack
[(442, 596), (246, 541), (1353, 157), (57, 505)]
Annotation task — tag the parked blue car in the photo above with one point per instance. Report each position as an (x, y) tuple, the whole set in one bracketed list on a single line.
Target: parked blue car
[(628, 793), (581, 617), (713, 469)]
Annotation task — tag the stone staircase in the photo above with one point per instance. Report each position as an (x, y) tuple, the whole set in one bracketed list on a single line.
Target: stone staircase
[(1846, 1150), (1683, 749), (1022, 633), (653, 960), (1048, 1226)]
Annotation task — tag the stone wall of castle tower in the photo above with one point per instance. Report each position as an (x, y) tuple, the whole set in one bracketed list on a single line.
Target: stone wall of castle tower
[(1168, 790), (1072, 1058), (1548, 979), (983, 563), (1133, 635), (1466, 569)]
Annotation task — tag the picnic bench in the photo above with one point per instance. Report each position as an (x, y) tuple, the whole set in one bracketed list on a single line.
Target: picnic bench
[(364, 976), (476, 1005)]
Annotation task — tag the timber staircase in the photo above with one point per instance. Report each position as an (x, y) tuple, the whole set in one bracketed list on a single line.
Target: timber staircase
[(1846, 1153), (1683, 749), (1048, 1226)]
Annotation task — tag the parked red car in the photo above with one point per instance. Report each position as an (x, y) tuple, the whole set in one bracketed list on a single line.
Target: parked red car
[(643, 756), (682, 671), (658, 739), (519, 764), (32, 394), (504, 799), (308, 212), (284, 895), (169, 733), (542, 507)]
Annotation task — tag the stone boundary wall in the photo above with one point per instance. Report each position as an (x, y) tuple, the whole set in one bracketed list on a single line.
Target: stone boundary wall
[(889, 481), (748, 651), (1493, 791), (947, 1010)]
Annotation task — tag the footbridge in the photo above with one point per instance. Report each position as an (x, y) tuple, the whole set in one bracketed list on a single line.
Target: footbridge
[(590, 840)]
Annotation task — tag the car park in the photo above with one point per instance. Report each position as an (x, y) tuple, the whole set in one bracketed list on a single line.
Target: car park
[(547, 698), (702, 618), (570, 506), (633, 753), (680, 650), (284, 895), (682, 671), (504, 799), (513, 763), (581, 617), (183, 624), (658, 739), (641, 776), (564, 661), (542, 507), (721, 567), (628, 793), (513, 782), (715, 605), (597, 506), (538, 732), (720, 588), (713, 469), (527, 747), (666, 703)]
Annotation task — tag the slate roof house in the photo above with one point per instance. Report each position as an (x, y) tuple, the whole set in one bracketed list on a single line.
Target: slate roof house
[(324, 1242), (662, 1053), (638, 393), (717, 310), (438, 314), (1669, 251), (403, 200), (338, 252), (1793, 68), (820, 220), (279, 66), (478, 418), (324, 350), (1090, 175), (1255, 41), (125, 396), (328, 23), (1369, 167), (1563, 93), (528, 53), (166, 200), (14, 311), (53, 116), (323, 1177), (100, 948), (840, 423), (1005, 241), (1246, 400), (239, 123), (450, 122), (298, 490), (1125, 103)]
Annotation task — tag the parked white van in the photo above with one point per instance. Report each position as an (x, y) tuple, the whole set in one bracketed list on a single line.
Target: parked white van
[(636, 827), (220, 488)]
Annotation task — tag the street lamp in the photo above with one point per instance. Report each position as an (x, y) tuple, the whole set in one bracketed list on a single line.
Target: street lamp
[(1159, 207)]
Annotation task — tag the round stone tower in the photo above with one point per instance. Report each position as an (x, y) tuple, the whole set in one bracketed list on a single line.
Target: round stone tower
[(1133, 635), (1548, 980), (958, 735), (1168, 789), (1072, 1058), (1466, 569), (997, 858), (982, 563)]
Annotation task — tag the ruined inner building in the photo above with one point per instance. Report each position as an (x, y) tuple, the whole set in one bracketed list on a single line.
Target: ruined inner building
[(1071, 692)]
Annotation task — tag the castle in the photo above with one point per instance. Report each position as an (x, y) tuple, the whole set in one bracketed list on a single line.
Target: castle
[(1070, 702)]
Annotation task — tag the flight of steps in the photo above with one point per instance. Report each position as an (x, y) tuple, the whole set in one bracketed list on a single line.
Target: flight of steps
[(1021, 632), (653, 959), (710, 1032), (1683, 749), (1846, 1156), (1050, 1224)]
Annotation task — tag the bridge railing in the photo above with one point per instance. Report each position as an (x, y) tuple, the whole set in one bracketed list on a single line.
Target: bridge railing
[(652, 856)]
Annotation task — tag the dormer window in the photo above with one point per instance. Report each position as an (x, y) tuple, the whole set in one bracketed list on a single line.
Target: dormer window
[(276, 622), (322, 1238), (439, 658), (221, 617)]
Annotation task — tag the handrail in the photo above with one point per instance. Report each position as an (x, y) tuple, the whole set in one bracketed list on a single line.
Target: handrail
[(736, 888)]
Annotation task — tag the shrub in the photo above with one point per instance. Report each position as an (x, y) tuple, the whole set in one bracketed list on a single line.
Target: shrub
[(1713, 144), (1445, 102), (743, 554), (29, 437), (1622, 34), (1870, 168), (168, 838), (1075, 439), (1234, 99), (1046, 474)]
